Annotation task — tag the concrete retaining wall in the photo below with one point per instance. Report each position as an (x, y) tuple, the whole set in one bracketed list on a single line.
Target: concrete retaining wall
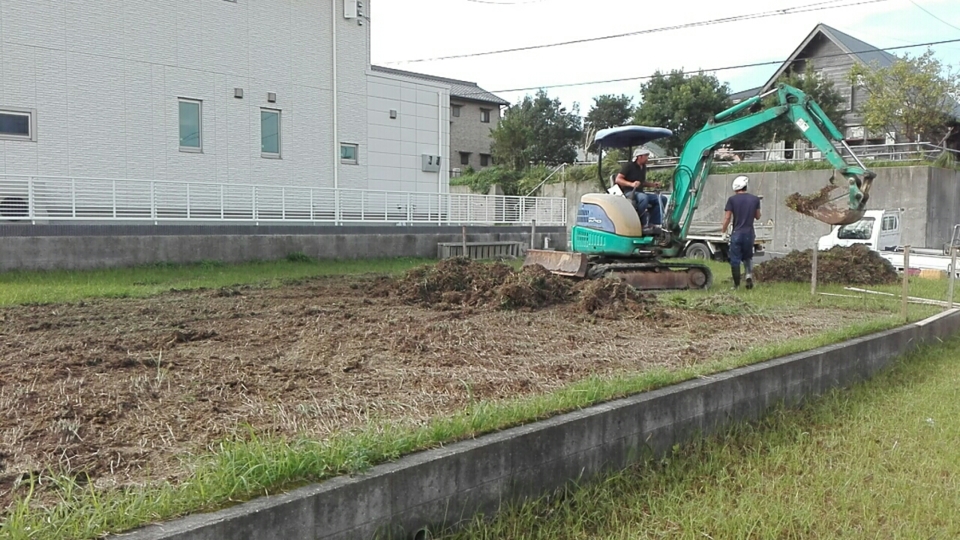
[(47, 247), (453, 483), (930, 197)]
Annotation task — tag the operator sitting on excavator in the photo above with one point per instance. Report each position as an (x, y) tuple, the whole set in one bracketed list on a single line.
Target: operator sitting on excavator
[(631, 179)]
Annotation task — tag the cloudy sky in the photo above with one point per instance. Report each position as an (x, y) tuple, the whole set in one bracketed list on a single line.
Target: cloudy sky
[(414, 34)]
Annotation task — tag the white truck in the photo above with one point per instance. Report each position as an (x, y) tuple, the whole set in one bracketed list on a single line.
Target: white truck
[(881, 231), (705, 241)]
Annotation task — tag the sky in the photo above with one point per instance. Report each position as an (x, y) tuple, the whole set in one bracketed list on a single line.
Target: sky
[(412, 34)]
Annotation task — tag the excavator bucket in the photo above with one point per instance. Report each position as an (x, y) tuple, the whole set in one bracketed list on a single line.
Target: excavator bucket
[(558, 262), (821, 207), (833, 214)]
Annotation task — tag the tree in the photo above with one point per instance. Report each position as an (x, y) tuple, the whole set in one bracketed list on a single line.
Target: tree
[(537, 129), (680, 103), (914, 97), (820, 89), (608, 111)]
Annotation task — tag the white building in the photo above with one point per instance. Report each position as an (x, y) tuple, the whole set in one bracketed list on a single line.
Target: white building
[(264, 92)]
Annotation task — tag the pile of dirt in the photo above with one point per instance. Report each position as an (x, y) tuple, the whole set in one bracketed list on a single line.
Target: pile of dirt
[(855, 264), (459, 283), (611, 298), (802, 203), (462, 282)]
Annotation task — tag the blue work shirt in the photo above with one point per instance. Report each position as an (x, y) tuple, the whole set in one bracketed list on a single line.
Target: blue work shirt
[(744, 207)]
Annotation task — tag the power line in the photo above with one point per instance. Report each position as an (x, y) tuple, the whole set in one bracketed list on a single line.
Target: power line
[(934, 16), (819, 6), (725, 68)]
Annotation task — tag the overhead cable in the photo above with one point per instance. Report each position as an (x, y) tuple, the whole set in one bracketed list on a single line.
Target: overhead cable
[(819, 6)]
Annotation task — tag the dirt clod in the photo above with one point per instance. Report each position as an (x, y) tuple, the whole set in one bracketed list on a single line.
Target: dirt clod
[(611, 298), (856, 264), (802, 203)]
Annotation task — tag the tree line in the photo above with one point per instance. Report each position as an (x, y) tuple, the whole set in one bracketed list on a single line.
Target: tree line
[(916, 97)]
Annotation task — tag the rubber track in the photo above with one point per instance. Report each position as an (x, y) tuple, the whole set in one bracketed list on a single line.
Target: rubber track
[(598, 270)]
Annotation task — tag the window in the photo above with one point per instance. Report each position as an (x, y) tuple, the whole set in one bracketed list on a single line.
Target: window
[(191, 134), (484, 160), (270, 133), (348, 153), (889, 223), (861, 230), (464, 158), (485, 116), (18, 125), (455, 110)]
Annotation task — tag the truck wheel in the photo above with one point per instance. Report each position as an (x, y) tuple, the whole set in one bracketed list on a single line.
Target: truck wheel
[(697, 250)]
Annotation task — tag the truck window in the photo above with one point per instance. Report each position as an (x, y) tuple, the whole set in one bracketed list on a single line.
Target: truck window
[(857, 231)]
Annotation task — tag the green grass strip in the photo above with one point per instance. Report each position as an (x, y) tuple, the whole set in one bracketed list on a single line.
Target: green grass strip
[(876, 460), (22, 287)]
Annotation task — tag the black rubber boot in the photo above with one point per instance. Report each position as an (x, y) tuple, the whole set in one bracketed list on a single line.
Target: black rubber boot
[(735, 270)]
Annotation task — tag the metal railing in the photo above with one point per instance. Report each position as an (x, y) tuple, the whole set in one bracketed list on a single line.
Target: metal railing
[(56, 198), (922, 151)]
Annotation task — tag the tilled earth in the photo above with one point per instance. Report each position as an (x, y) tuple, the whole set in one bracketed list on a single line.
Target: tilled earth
[(120, 390)]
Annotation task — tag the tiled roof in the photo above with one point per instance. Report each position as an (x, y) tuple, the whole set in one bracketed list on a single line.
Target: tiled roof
[(458, 89)]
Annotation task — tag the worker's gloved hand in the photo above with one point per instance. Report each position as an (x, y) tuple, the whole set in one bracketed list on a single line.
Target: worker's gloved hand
[(725, 236)]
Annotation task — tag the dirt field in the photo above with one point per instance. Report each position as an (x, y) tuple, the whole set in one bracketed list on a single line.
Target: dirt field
[(120, 389)]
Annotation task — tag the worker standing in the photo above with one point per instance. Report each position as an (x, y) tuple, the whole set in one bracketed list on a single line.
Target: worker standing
[(742, 208)]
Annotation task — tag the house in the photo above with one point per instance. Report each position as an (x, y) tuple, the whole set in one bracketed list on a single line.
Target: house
[(832, 54), (258, 92), (473, 113)]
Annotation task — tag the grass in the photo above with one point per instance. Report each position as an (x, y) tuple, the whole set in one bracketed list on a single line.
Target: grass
[(142, 281), (251, 466), (877, 460)]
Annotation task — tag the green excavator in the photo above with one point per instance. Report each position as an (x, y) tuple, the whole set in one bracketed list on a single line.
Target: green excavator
[(609, 241)]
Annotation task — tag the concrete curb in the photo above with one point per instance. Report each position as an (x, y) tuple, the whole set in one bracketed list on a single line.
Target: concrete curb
[(447, 485)]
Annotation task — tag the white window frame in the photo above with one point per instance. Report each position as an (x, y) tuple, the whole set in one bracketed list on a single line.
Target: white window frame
[(19, 111), (356, 152), (199, 103), (279, 113)]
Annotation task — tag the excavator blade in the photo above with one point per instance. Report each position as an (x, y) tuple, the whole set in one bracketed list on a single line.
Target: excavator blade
[(564, 263)]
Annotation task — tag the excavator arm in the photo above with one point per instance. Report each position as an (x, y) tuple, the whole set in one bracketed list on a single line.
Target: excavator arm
[(793, 104)]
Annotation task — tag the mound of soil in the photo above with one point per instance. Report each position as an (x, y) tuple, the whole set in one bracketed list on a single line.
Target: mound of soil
[(856, 264), (611, 298), (462, 282), (459, 283)]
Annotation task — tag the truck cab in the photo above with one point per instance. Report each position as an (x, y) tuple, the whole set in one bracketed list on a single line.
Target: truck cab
[(880, 230)]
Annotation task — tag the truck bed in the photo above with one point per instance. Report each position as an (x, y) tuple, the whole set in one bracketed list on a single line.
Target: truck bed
[(702, 230)]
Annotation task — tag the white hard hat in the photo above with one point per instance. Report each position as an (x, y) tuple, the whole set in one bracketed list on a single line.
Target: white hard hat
[(641, 151), (739, 183)]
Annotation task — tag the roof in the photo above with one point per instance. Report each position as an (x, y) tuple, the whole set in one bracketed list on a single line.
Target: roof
[(458, 89), (737, 97), (860, 50)]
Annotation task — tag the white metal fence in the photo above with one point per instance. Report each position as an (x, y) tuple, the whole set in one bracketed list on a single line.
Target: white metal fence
[(54, 198), (922, 151)]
